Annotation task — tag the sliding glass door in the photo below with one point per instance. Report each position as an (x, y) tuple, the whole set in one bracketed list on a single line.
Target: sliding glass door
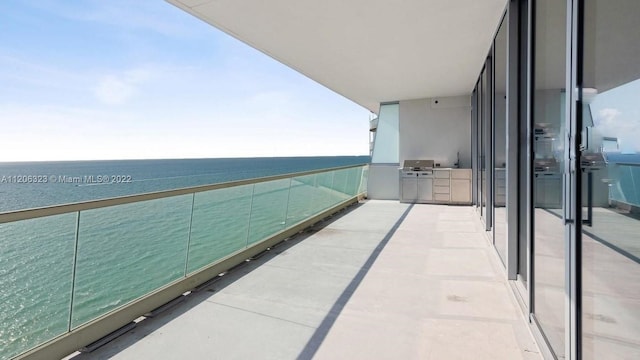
[(500, 142), (486, 167), (610, 123), (548, 169)]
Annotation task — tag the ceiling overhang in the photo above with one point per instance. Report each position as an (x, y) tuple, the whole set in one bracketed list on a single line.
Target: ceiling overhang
[(370, 51)]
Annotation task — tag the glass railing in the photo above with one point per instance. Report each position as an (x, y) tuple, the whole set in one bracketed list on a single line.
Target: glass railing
[(64, 266), (624, 183)]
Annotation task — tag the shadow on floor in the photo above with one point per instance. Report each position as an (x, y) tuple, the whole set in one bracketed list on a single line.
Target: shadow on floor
[(205, 291), (321, 332)]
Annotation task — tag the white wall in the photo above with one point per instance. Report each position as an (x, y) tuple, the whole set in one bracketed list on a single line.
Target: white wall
[(383, 182), (437, 129)]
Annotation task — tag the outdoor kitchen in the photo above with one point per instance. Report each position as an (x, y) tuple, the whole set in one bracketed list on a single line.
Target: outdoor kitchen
[(420, 182), (433, 159)]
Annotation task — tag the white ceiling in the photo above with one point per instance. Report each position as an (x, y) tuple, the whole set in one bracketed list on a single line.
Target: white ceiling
[(370, 51)]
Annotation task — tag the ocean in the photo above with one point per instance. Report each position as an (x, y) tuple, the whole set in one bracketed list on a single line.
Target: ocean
[(129, 250), (625, 170), (139, 176)]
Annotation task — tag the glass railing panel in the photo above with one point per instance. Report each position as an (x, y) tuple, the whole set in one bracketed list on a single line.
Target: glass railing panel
[(355, 174), (127, 251), (625, 186), (348, 180), (362, 184), (268, 209), (364, 180), (35, 281), (351, 181), (324, 196), (615, 187), (220, 224), (340, 183), (301, 199)]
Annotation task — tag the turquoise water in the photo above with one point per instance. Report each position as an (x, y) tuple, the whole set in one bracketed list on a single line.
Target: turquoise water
[(624, 171), (626, 188), (146, 176), (126, 251)]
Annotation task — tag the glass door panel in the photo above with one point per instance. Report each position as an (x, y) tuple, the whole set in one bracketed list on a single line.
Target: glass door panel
[(485, 125), (479, 144), (547, 169), (500, 142), (611, 180)]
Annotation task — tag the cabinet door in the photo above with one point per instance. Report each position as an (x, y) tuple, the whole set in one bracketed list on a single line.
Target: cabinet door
[(553, 193), (425, 189), (548, 192), (409, 189), (540, 187), (464, 174), (460, 191)]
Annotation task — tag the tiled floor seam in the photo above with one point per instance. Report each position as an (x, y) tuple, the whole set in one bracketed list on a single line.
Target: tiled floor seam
[(259, 313), (440, 277), (481, 319), (309, 242), (303, 269)]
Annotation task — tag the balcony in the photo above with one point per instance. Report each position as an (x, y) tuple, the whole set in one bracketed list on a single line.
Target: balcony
[(381, 280), (70, 274)]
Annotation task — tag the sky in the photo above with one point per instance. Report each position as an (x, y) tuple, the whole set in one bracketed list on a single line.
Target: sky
[(616, 114), (122, 79)]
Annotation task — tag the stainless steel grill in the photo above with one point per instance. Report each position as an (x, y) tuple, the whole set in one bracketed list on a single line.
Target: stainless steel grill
[(546, 166), (592, 161), (417, 167), (416, 181)]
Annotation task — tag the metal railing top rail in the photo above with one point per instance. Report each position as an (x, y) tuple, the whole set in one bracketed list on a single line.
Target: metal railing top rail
[(25, 214)]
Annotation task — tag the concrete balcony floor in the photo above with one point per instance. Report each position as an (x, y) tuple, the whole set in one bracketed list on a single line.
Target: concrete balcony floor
[(381, 280)]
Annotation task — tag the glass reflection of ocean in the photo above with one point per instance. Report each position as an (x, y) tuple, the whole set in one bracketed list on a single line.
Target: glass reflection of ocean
[(624, 170)]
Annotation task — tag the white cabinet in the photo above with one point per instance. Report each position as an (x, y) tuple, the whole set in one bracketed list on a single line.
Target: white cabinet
[(548, 191), (445, 186), (442, 186), (416, 188), (461, 186), (409, 189), (424, 189)]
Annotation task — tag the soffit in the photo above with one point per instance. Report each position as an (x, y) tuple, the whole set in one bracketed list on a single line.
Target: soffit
[(370, 51)]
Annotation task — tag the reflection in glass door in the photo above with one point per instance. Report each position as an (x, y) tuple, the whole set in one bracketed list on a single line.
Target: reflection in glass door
[(548, 114), (474, 146), (519, 104), (480, 144), (500, 142), (485, 144), (611, 180)]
